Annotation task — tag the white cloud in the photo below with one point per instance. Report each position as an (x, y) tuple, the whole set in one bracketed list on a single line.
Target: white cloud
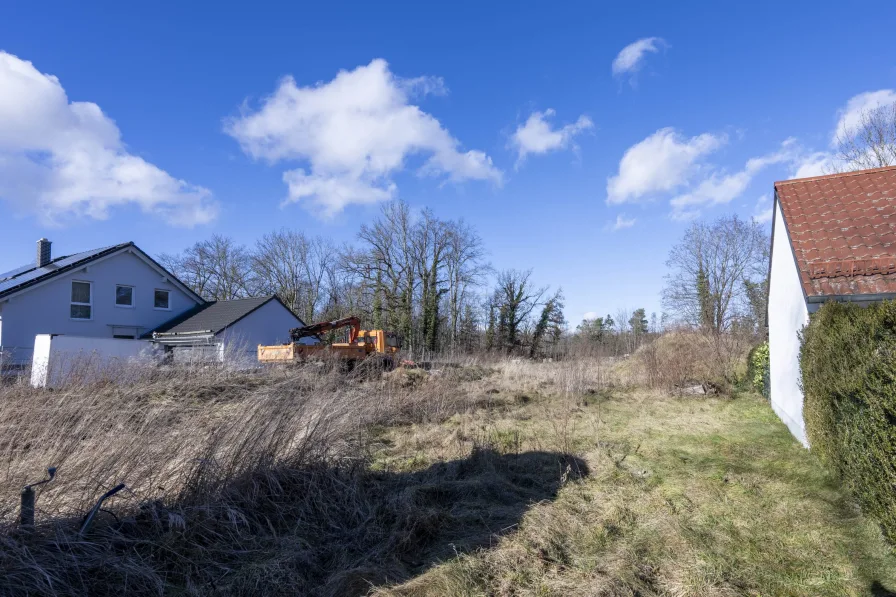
[(661, 163), (631, 58), (716, 188), (622, 222), (814, 164), (590, 315), (339, 191), (720, 187), (65, 160), (665, 163), (819, 163), (850, 116), (354, 132), (764, 210), (685, 215), (536, 136)]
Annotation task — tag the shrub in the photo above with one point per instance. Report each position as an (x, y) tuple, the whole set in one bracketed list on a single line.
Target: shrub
[(848, 361), (681, 358), (758, 369)]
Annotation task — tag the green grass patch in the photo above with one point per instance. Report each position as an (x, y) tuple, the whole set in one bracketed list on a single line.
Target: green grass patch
[(697, 496)]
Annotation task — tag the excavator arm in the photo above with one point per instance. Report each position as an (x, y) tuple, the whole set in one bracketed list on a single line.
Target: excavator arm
[(327, 326)]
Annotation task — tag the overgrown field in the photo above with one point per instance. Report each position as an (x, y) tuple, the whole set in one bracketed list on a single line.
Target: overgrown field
[(516, 478)]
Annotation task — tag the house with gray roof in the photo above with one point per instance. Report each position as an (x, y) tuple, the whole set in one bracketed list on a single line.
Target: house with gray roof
[(241, 324), (121, 292)]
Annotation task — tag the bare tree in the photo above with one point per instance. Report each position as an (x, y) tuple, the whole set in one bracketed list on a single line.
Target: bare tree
[(466, 270), (871, 143), (216, 269), (347, 293), (431, 241), (468, 334), (712, 268), (295, 268), (384, 268), (622, 336), (515, 299), (416, 275)]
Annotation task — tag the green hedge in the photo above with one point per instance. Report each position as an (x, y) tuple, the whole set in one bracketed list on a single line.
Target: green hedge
[(848, 362), (758, 369)]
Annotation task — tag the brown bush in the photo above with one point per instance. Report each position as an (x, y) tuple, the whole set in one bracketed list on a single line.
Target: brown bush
[(680, 359)]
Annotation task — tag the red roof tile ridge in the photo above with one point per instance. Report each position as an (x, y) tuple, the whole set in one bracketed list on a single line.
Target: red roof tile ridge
[(836, 175)]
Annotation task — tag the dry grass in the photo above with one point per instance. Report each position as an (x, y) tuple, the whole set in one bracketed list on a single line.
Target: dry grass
[(684, 496), (517, 479)]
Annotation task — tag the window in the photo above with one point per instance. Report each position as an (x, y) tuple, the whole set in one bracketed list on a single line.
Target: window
[(81, 307), (123, 336), (124, 296), (161, 300)]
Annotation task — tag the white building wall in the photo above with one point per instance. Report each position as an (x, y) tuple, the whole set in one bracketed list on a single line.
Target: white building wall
[(45, 309), (58, 360), (787, 315), (269, 324)]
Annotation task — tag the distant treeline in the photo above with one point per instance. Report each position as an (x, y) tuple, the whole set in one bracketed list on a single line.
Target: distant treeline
[(414, 273)]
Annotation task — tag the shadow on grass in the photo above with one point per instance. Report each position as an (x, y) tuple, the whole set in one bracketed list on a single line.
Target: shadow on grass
[(315, 530)]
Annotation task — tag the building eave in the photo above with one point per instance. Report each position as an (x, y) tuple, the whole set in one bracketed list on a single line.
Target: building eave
[(851, 298)]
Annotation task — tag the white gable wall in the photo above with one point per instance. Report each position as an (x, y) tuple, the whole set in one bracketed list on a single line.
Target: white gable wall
[(787, 315), (45, 309), (269, 324)]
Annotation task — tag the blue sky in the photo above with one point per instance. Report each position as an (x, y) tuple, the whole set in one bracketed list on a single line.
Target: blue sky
[(168, 122)]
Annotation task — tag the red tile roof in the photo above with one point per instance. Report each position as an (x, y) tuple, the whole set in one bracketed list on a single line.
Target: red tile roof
[(843, 231)]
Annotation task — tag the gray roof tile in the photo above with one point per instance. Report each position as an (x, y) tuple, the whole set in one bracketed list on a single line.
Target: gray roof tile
[(213, 317)]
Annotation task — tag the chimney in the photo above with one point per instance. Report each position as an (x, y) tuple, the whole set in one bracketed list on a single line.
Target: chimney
[(43, 252)]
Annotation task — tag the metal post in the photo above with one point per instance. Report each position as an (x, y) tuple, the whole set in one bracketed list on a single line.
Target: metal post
[(26, 512)]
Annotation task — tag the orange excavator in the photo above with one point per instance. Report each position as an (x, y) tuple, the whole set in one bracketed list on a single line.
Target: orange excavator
[(361, 344)]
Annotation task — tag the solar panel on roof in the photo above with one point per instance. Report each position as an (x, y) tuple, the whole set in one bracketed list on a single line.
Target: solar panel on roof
[(29, 273), (15, 272)]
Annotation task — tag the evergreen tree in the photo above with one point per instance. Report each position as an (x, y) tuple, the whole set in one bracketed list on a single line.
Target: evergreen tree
[(557, 323), (490, 330), (592, 329), (638, 323), (541, 327), (467, 336)]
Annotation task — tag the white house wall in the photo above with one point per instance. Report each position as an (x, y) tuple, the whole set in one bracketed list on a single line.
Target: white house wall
[(787, 315), (269, 324), (45, 309)]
